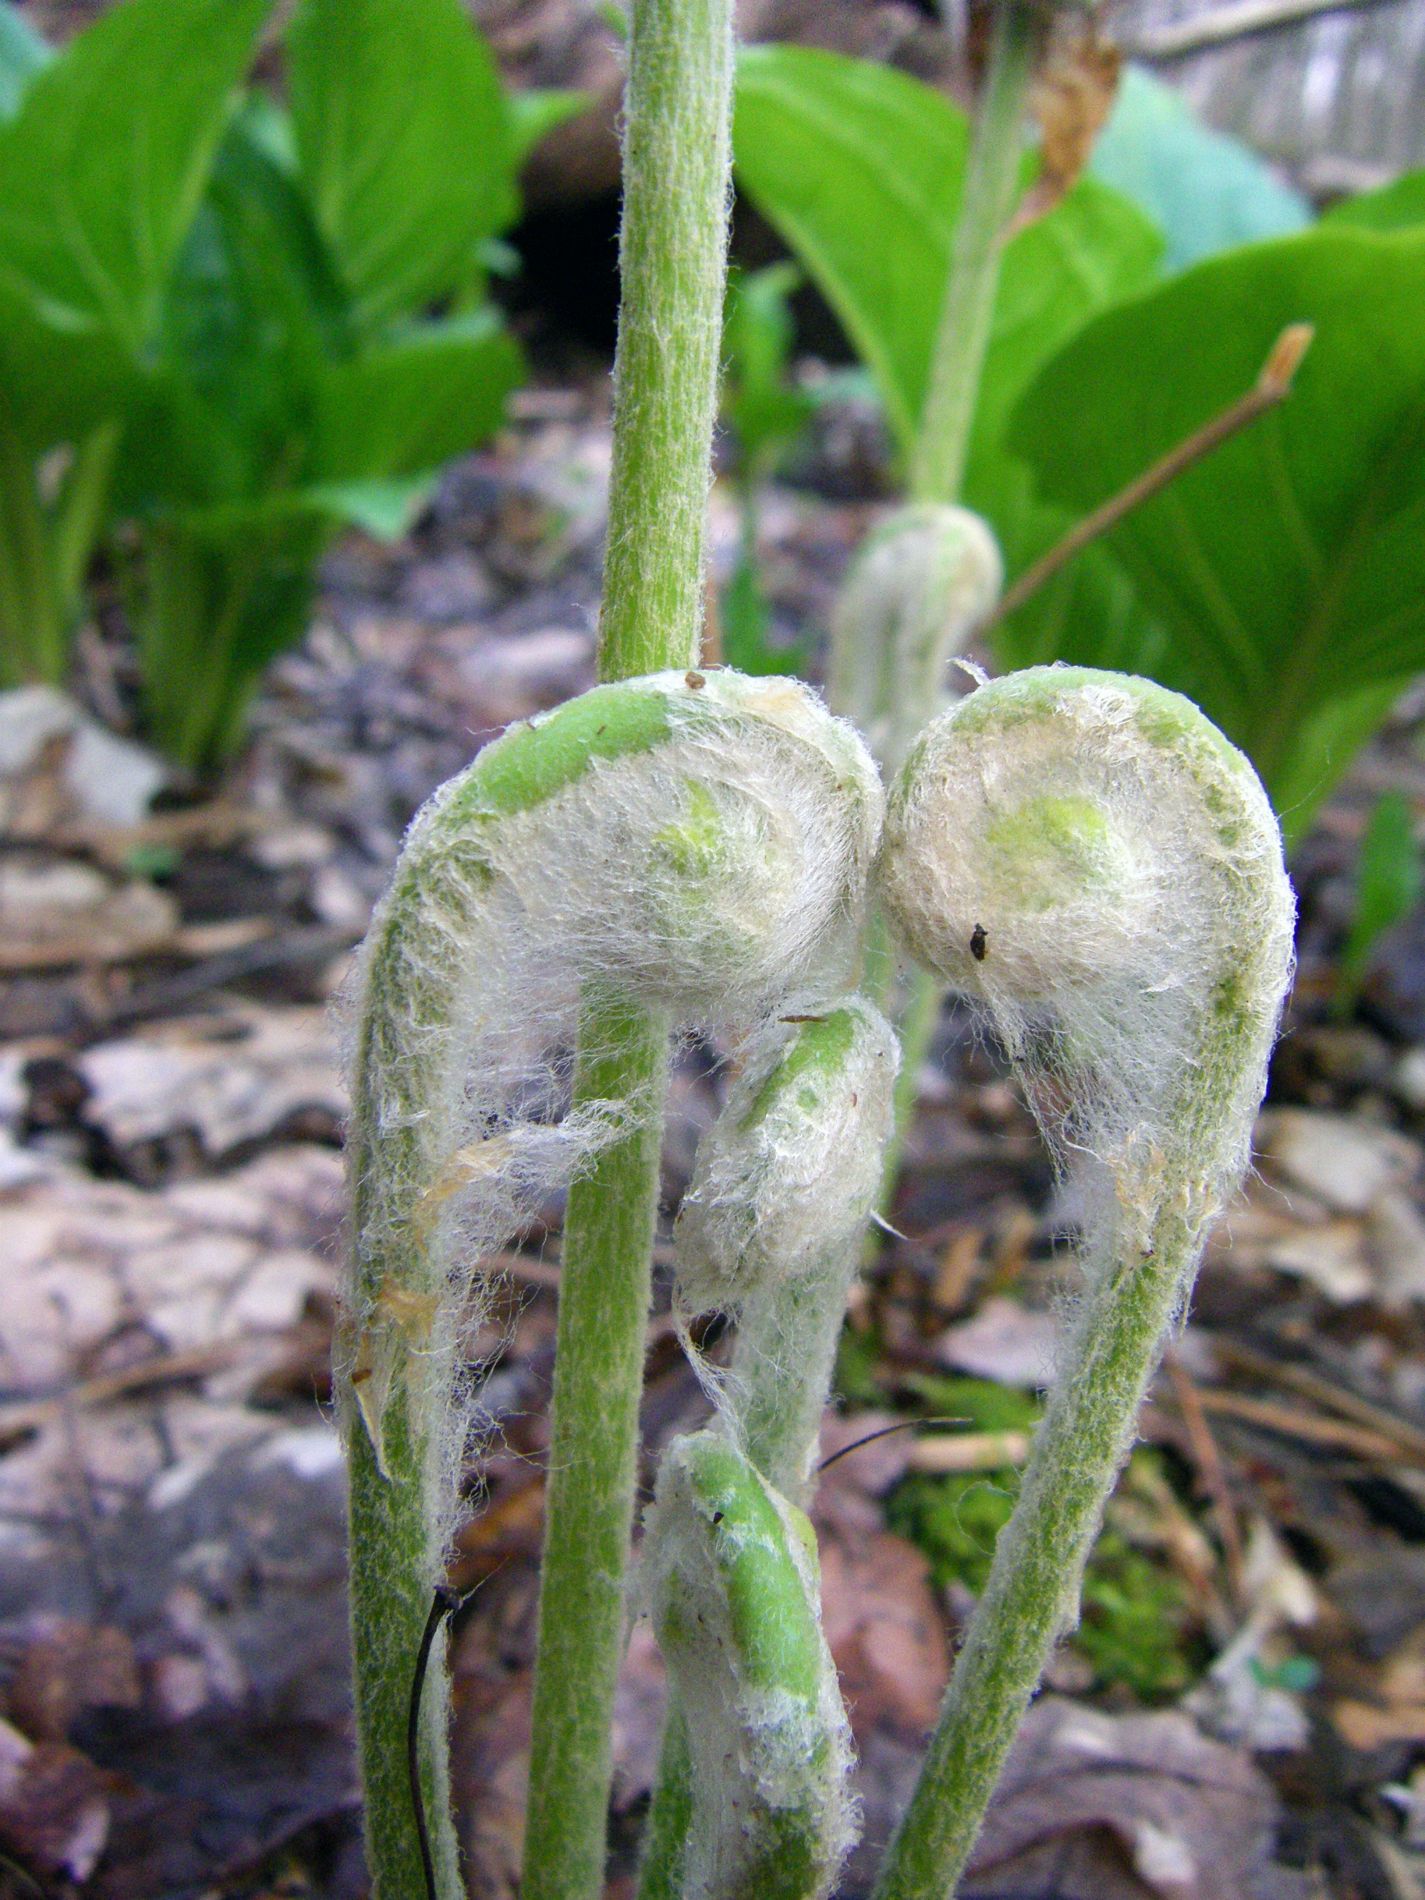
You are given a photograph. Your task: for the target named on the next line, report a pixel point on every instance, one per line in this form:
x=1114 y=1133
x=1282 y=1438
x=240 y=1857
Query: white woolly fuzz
x=917 y=588
x=731 y=1578
x=697 y=843
x=791 y=1168
x=1087 y=855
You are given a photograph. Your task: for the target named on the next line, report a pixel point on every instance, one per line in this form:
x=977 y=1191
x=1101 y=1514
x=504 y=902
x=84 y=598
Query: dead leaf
x=1073 y=94
x=67 y=1667
x=1100 y=1807
x=54 y=1806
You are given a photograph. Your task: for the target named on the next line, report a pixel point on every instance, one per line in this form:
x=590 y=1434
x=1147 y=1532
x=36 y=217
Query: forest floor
x=1243 y=1712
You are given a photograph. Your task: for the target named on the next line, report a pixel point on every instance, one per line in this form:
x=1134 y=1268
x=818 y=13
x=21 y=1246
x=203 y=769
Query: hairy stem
x=1086 y=855
x=673 y=256
x=672 y=259
x=603 y=1304
x=1033 y=1589
x=991 y=188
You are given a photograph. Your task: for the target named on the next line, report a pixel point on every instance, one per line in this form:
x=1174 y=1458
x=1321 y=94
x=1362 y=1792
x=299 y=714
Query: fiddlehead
x=1087 y=856
x=694 y=843
x=754 y=1803
x=771 y=1226
x=915 y=591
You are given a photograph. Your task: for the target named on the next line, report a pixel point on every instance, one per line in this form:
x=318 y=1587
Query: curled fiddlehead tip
x=789 y=1171
x=731 y=1577
x=693 y=842
x=1088 y=856
x=917 y=588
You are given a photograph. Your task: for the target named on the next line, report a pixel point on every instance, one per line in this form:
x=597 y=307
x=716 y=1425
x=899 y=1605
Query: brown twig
x=1211 y=1470
x=1322 y=1391
x=1371 y=1446
x=1239 y=21
x=1271 y=387
x=19 y=1420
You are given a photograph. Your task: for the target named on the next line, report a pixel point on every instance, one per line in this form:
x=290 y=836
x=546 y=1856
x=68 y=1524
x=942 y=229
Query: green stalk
x=672 y=258
x=942 y=447
x=1133 y=950
x=1033 y=1589
x=673 y=263
x=32 y=644
x=80 y=513
x=593 y=1456
x=937 y=468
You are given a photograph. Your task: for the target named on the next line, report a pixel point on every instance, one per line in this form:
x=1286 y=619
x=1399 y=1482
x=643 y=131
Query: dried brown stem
x=1271 y=387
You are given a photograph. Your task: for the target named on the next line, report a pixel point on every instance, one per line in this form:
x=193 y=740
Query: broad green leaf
x=1089 y=614
x=401 y=408
x=23 y=53
x=1394 y=207
x=1288 y=568
x=860 y=169
x=104 y=165
x=251 y=321
x=404 y=140
x=1205 y=191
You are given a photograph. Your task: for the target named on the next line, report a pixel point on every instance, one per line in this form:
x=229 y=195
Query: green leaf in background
x=402 y=407
x=404 y=140
x=105 y=162
x=1288 y=568
x=764 y=407
x=860 y=170
x=535 y=113
x=1394 y=207
x=23 y=53
x=1205 y=191
x=1388 y=887
x=252 y=317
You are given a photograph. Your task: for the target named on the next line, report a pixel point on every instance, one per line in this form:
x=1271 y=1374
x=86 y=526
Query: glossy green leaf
x=23 y=53
x=1394 y=207
x=252 y=318
x=860 y=169
x=1205 y=191
x=401 y=408
x=404 y=141
x=1288 y=568
x=103 y=167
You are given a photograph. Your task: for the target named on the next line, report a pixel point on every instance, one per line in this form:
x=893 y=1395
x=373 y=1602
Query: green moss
x=1138 y=1631
x=985 y=1406
x=858 y=1359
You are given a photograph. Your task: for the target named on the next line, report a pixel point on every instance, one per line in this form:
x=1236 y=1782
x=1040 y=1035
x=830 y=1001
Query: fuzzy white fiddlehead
x=916 y=589
x=694 y=843
x=755 y=1805
x=772 y=1223
x=1087 y=855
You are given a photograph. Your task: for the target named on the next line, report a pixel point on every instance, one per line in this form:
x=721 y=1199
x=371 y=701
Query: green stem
x=1033 y=1589
x=80 y=514
x=991 y=188
x=673 y=264
x=603 y=1307
x=32 y=644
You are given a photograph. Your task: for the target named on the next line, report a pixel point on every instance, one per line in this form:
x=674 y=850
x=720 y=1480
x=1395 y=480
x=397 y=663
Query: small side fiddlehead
x=1088 y=857
x=754 y=1805
x=772 y=1223
x=696 y=844
x=915 y=591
